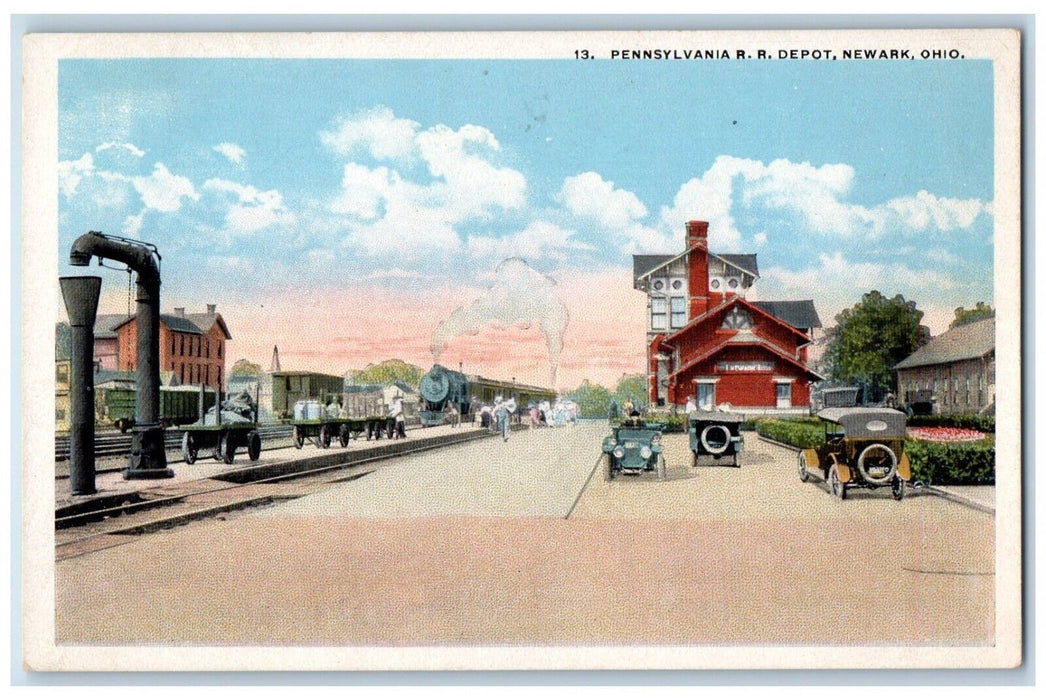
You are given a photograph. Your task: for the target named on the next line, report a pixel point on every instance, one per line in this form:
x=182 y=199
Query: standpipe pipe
x=148 y=459
x=81 y=304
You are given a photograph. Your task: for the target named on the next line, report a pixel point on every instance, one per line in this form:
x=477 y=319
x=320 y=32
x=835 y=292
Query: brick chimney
x=211 y=308
x=697 y=260
x=179 y=311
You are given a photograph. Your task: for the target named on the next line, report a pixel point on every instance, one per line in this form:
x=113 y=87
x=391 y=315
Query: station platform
x=110 y=482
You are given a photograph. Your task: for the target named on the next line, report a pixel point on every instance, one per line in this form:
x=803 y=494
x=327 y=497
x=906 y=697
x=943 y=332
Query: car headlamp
x=619 y=451
x=645 y=452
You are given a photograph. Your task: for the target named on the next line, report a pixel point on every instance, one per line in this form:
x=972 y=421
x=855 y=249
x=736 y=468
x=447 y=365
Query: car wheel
x=254 y=445
x=228 y=448
x=188 y=448
x=897 y=488
x=804 y=473
x=836 y=487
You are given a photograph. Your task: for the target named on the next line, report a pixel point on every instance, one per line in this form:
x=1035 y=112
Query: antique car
x=863 y=447
x=715 y=438
x=634 y=448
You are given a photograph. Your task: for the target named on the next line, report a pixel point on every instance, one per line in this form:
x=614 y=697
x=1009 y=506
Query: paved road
x=715 y=556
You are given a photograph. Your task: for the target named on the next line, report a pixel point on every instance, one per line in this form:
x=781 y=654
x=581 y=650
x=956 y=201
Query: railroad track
x=119 y=444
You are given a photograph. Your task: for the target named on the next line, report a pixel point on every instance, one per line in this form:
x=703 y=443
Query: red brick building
x=192 y=346
x=706 y=340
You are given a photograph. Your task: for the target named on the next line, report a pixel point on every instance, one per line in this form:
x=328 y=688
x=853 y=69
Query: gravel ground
x=712 y=556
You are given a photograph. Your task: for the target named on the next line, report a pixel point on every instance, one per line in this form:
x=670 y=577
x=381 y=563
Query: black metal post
x=81 y=304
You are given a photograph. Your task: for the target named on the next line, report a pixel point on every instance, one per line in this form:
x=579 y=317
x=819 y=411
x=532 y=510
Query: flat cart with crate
x=222 y=440
x=322 y=431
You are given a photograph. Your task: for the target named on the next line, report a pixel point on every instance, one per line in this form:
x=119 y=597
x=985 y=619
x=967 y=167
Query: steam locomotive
x=442 y=386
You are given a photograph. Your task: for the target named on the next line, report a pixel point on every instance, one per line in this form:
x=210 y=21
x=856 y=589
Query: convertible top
x=716 y=416
x=866 y=422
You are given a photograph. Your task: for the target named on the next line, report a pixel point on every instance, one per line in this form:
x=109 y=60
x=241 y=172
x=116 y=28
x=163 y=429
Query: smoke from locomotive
x=520 y=296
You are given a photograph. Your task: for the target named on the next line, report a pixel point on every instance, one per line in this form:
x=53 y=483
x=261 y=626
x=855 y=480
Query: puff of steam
x=520 y=296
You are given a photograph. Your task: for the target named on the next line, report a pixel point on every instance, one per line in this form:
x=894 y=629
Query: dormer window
x=737 y=319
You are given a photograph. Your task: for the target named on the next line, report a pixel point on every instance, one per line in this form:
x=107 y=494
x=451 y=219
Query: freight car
x=441 y=387
x=115 y=404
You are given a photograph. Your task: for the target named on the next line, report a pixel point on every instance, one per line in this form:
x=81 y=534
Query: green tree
x=631 y=386
x=387 y=372
x=872 y=337
x=964 y=315
x=593 y=400
x=245 y=368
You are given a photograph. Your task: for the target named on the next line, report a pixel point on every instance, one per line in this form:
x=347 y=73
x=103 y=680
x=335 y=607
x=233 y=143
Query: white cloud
x=231 y=151
x=364 y=190
x=837 y=283
x=132 y=225
x=814 y=196
x=388 y=207
x=163 y=190
x=254 y=209
x=471 y=184
x=377 y=132
x=396 y=273
x=129 y=147
x=920 y=211
x=540 y=240
x=760 y=239
x=589 y=195
x=72 y=172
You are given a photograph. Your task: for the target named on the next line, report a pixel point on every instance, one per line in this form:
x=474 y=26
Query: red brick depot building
x=705 y=339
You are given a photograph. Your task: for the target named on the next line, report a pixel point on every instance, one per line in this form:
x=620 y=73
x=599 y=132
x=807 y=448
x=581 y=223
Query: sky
x=484 y=213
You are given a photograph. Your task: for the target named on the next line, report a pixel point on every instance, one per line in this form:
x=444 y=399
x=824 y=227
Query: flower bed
x=946 y=434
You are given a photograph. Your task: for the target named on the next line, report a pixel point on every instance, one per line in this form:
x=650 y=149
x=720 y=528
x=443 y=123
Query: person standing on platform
x=452 y=415
x=691 y=405
x=503 y=410
x=399 y=427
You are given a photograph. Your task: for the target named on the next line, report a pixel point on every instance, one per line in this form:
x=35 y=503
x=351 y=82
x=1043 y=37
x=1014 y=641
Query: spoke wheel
x=299 y=439
x=228 y=448
x=343 y=436
x=804 y=472
x=325 y=436
x=836 y=487
x=254 y=445
x=189 y=450
x=897 y=488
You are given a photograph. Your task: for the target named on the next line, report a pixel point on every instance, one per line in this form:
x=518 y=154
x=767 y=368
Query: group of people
x=546 y=413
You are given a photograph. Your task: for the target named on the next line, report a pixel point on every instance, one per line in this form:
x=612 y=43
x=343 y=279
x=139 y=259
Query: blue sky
x=260 y=176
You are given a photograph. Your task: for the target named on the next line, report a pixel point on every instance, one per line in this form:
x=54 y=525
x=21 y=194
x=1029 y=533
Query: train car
x=115 y=404
x=288 y=388
x=441 y=387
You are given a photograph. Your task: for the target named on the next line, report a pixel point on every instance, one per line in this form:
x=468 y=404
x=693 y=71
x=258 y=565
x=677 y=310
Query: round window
x=659 y=284
x=715 y=284
x=733 y=283
x=676 y=284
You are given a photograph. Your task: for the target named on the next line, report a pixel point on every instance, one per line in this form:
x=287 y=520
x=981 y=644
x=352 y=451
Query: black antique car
x=715 y=438
x=634 y=448
x=863 y=447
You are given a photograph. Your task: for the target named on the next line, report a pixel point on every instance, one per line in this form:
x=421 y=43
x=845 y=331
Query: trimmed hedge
x=952 y=463
x=799 y=433
x=973 y=421
x=933 y=463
